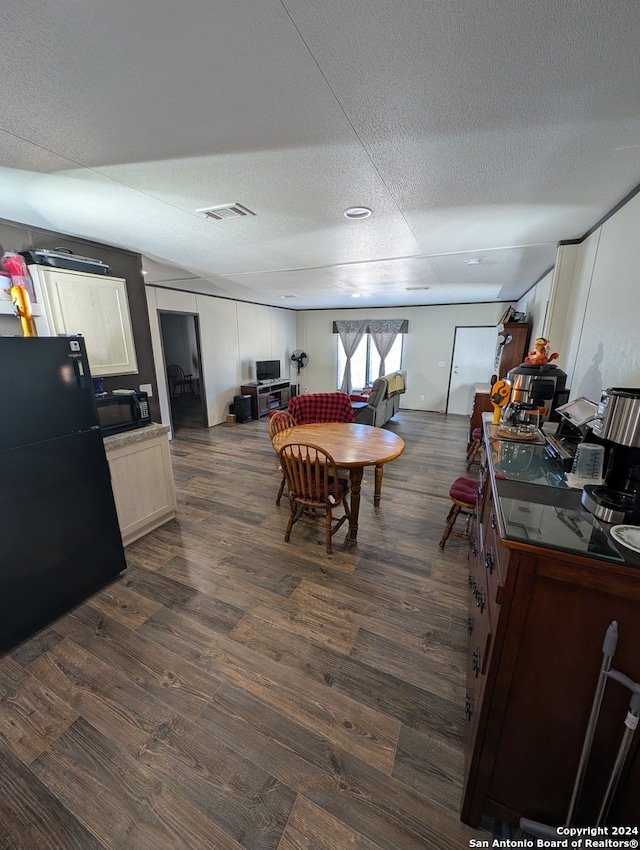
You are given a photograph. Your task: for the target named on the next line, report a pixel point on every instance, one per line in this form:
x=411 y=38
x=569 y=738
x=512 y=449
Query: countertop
x=537 y=507
x=136 y=435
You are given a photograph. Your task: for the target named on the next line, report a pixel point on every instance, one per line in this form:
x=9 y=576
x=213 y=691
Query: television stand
x=267 y=396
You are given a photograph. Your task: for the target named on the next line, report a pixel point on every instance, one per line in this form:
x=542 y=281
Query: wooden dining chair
x=280 y=421
x=179 y=383
x=314 y=487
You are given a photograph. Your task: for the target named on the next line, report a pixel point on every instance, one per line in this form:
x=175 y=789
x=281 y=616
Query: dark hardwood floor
x=231 y=690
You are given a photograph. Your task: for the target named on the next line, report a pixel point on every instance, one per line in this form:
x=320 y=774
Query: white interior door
x=474 y=354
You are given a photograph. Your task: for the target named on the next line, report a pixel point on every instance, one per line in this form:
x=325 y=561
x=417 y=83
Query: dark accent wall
x=125 y=264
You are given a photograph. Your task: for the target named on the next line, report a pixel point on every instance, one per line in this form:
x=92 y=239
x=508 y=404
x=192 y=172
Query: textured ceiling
x=472 y=129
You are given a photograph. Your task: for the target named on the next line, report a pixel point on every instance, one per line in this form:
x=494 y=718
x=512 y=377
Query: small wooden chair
x=280 y=421
x=463 y=494
x=179 y=383
x=314 y=488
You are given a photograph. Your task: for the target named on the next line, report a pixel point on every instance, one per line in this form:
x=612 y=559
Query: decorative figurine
x=500 y=393
x=540 y=354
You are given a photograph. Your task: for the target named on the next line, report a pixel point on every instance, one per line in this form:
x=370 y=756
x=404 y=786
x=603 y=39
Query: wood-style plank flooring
x=233 y=691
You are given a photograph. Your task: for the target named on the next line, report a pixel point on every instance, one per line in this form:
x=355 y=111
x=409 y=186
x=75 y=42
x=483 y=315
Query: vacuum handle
x=608 y=649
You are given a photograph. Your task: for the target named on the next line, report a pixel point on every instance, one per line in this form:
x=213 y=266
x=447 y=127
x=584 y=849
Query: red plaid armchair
x=321 y=407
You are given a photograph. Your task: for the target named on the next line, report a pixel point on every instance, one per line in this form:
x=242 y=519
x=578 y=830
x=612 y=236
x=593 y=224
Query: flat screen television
x=267 y=370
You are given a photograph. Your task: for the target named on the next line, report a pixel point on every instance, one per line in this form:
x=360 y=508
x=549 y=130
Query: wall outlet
x=442 y=364
x=146 y=388
x=421 y=398
x=306 y=389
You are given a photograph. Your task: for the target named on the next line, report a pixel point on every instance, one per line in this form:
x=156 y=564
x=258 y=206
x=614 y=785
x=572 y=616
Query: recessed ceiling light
x=357 y=212
x=416 y=288
x=355 y=295
x=473 y=261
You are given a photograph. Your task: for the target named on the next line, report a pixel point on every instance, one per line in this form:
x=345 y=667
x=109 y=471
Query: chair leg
x=327 y=535
x=473 y=455
x=452 y=517
x=281 y=490
x=292 y=519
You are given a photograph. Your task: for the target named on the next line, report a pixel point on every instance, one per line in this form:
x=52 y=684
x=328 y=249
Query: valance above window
x=372 y=326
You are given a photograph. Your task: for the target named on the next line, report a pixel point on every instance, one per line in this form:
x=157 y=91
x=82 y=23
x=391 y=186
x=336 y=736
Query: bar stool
x=463 y=494
x=474 y=448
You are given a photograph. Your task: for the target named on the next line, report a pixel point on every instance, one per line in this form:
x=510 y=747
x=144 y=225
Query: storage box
x=71 y=262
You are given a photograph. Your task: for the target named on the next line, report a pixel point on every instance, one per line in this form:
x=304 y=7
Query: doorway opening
x=180 y=335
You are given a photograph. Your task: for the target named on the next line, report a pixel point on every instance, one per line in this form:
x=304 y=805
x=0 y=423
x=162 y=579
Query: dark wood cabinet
x=266 y=397
x=513 y=350
x=481 y=404
x=537 y=620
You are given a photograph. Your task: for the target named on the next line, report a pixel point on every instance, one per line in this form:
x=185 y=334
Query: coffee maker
x=541 y=385
x=617 y=427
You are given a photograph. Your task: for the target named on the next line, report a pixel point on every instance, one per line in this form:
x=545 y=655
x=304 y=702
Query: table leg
x=378 y=487
x=356 y=484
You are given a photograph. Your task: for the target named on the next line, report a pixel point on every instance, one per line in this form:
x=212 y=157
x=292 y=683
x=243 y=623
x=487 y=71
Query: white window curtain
x=383 y=333
x=350 y=332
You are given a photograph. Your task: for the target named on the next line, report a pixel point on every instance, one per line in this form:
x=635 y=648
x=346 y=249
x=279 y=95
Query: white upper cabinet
x=93 y=305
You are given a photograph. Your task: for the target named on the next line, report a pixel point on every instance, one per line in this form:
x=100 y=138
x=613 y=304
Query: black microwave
x=120 y=411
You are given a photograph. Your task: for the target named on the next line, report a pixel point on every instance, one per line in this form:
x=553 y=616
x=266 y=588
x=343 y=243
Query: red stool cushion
x=464 y=490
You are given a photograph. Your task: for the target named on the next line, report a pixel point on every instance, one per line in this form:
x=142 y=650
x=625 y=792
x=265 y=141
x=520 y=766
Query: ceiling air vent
x=224 y=211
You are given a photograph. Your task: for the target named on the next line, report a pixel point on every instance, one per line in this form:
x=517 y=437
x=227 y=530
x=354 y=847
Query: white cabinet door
x=143 y=487
x=95 y=306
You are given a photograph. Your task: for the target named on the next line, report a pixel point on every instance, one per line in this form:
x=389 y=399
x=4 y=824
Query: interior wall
x=428 y=346
x=233 y=335
x=535 y=304
x=603 y=314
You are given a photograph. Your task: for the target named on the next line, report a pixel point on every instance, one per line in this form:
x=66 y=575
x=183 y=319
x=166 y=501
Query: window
x=365 y=363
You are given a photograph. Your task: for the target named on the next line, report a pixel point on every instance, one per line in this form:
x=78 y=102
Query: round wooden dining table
x=353 y=447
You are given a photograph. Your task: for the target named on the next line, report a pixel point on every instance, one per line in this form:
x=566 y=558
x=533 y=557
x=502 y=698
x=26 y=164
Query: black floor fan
x=300 y=358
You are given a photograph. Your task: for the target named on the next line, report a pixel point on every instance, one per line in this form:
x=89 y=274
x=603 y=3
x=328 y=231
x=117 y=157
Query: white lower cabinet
x=142 y=480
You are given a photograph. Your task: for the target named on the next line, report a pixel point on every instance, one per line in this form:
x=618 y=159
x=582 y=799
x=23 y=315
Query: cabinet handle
x=488 y=561
x=468 y=705
x=470 y=624
x=480 y=598
x=493 y=520
x=475 y=661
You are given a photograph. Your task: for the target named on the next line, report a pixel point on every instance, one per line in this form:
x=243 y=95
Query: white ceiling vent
x=224 y=211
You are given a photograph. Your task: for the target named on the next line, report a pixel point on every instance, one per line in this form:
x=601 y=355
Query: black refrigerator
x=59 y=535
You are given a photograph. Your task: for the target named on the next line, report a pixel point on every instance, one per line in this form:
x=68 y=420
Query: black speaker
x=242 y=408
